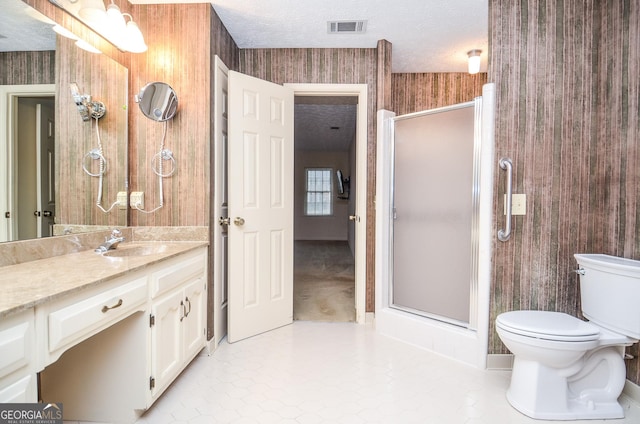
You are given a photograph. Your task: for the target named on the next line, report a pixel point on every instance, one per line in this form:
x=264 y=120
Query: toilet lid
x=547 y=325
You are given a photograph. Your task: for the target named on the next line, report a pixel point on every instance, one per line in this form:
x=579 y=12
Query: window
x=318 y=199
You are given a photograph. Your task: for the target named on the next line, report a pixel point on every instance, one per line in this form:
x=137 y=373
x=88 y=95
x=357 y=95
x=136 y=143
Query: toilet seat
x=547 y=325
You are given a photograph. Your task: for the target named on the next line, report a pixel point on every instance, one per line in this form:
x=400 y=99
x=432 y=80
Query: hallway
x=323 y=282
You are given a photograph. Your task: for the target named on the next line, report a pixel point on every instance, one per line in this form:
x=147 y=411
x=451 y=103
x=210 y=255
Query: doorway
x=28 y=145
x=324 y=245
x=358 y=174
x=238 y=96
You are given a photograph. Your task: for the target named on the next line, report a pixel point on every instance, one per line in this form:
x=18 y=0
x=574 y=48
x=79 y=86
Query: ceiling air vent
x=347 y=27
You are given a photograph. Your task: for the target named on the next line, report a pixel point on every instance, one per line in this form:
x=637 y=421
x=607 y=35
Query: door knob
x=354 y=218
x=224 y=221
x=238 y=221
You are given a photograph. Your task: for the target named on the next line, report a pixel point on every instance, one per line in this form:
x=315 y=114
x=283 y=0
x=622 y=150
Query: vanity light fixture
x=474 y=61
x=93 y=11
x=115 y=19
x=64 y=32
x=86 y=46
x=111 y=23
x=135 y=40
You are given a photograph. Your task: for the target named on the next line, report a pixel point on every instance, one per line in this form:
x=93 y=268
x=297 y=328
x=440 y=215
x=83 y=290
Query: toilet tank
x=610 y=292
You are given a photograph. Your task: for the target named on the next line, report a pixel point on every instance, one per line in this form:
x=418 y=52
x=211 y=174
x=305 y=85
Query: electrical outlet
x=122 y=200
x=137 y=200
x=518 y=204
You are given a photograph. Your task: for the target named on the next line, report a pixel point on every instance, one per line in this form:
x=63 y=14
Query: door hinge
x=152 y=383
x=152 y=320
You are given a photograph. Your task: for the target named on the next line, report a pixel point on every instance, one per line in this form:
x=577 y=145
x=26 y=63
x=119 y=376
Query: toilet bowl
x=565 y=368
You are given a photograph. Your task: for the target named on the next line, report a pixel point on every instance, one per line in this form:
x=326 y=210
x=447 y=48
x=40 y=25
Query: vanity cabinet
x=109 y=350
x=177 y=319
x=18 y=358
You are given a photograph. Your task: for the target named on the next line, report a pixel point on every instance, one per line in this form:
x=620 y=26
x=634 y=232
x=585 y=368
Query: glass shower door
x=434 y=213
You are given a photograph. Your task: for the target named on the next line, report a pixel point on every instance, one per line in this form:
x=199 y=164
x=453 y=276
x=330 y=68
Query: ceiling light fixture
x=474 y=61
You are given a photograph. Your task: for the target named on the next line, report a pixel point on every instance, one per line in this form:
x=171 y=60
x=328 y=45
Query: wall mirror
x=158 y=101
x=70 y=194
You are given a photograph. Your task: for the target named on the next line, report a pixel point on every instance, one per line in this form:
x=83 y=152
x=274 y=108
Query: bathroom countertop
x=28 y=284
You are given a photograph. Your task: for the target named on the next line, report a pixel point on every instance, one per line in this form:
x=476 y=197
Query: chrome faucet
x=111 y=243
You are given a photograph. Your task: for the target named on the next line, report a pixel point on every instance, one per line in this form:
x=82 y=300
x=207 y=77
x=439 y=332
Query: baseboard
x=369 y=318
x=500 y=361
x=632 y=391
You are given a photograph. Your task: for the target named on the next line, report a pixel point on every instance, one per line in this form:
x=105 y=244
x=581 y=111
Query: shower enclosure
x=433 y=227
x=435 y=178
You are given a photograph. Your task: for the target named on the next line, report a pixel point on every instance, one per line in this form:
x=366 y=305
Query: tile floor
x=311 y=372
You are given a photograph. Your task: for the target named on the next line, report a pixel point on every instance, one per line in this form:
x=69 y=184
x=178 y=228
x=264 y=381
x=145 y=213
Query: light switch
x=137 y=200
x=518 y=204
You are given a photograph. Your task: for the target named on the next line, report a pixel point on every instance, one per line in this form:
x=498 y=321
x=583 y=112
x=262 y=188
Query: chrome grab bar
x=505 y=163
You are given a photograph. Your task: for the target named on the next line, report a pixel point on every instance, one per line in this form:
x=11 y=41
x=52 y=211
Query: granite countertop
x=28 y=284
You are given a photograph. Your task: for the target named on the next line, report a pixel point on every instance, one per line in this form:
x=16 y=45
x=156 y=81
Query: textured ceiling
x=426 y=35
x=24 y=29
x=324 y=126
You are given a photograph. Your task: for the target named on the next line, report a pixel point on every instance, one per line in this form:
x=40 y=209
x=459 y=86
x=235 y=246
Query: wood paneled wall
x=27 y=67
x=568 y=115
x=422 y=91
x=182 y=40
x=106 y=81
x=335 y=66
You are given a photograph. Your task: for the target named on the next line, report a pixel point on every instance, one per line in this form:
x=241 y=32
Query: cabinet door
x=194 y=323
x=22 y=391
x=166 y=340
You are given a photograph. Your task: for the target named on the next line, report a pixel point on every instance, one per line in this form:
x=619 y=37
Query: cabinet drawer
x=182 y=269
x=72 y=324
x=17 y=337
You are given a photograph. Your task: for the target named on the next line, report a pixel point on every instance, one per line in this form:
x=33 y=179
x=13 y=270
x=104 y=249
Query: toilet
x=568 y=369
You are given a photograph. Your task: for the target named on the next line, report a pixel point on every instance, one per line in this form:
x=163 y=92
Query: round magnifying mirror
x=158 y=101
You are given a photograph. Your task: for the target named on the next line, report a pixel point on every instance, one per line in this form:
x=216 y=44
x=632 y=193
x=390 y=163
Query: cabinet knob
x=238 y=221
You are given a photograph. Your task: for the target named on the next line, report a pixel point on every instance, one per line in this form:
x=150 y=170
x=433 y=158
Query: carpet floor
x=323 y=281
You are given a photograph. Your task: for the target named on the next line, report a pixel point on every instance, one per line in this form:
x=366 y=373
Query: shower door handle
x=503 y=235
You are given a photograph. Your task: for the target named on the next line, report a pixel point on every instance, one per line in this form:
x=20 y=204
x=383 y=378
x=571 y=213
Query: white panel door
x=166 y=339
x=220 y=203
x=45 y=160
x=260 y=206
